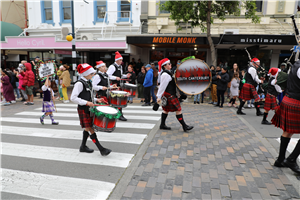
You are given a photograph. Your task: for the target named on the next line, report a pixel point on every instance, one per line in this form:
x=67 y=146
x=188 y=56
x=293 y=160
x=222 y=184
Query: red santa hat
x=99 y=64
x=118 y=56
x=162 y=62
x=255 y=60
x=274 y=71
x=85 y=69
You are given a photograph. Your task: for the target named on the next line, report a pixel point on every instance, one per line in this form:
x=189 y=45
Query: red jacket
x=28 y=75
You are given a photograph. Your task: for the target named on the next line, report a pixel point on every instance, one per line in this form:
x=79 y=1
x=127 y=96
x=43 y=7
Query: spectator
x=222 y=80
x=28 y=82
x=197 y=98
x=283 y=67
x=138 y=66
x=21 y=70
x=59 y=73
x=140 y=82
x=15 y=83
x=132 y=63
x=234 y=89
x=155 y=76
x=214 y=97
x=148 y=82
x=132 y=80
x=8 y=91
x=66 y=82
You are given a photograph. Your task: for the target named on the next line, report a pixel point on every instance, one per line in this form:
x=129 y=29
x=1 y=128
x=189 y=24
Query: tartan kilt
x=48 y=106
x=173 y=103
x=86 y=120
x=248 y=92
x=287 y=117
x=270 y=102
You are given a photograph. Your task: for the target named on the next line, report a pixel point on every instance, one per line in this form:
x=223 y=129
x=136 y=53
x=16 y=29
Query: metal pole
x=73 y=35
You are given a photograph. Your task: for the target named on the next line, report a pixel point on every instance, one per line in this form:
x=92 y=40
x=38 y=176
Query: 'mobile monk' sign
x=174 y=40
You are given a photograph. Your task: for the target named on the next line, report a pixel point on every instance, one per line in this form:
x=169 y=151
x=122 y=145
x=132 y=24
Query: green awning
x=8 y=29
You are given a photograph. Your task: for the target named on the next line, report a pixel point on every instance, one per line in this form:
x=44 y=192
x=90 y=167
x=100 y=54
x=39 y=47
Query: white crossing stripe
x=292 y=144
x=53 y=187
x=114 y=159
x=76 y=122
x=77 y=135
x=60 y=114
x=125 y=111
x=128 y=106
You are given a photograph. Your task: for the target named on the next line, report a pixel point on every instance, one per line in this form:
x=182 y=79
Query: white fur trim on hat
x=102 y=64
x=118 y=58
x=88 y=72
x=168 y=61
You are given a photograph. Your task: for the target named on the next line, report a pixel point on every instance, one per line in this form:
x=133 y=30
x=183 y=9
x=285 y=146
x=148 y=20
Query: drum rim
x=105 y=107
x=120 y=92
x=130 y=84
x=210 y=80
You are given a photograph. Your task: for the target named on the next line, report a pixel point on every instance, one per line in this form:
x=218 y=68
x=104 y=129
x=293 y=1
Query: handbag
x=164 y=101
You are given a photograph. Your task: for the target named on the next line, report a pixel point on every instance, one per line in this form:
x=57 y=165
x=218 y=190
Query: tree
x=202 y=13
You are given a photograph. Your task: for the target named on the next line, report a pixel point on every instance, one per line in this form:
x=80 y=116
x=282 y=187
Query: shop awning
x=8 y=29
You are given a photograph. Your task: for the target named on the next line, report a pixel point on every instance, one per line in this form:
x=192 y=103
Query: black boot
x=83 y=147
x=265 y=121
x=284 y=142
x=103 y=151
x=184 y=126
x=258 y=112
x=163 y=122
x=291 y=161
x=239 y=111
x=122 y=118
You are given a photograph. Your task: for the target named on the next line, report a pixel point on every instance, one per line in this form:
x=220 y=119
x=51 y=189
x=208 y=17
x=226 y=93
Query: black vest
x=271 y=88
x=103 y=82
x=117 y=73
x=47 y=95
x=171 y=88
x=249 y=78
x=293 y=82
x=85 y=94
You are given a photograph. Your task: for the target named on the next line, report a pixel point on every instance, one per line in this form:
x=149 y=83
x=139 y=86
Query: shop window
x=298 y=6
x=259 y=5
x=47 y=12
x=163 y=11
x=100 y=8
x=65 y=12
x=124 y=11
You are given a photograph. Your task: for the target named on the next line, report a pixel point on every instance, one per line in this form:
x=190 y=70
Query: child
x=82 y=95
x=48 y=106
x=234 y=88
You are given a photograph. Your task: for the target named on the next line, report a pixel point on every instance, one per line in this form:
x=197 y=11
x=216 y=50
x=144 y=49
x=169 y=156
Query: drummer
x=273 y=91
x=101 y=81
x=81 y=95
x=115 y=73
x=167 y=90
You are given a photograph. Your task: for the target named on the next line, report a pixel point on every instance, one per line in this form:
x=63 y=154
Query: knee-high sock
x=43 y=116
x=233 y=101
x=242 y=103
x=180 y=119
x=256 y=106
x=84 y=138
x=120 y=109
x=163 y=119
x=294 y=155
x=265 y=116
x=96 y=141
x=284 y=141
x=51 y=117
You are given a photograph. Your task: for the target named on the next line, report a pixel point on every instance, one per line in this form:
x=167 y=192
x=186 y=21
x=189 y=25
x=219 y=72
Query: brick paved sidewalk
x=221 y=158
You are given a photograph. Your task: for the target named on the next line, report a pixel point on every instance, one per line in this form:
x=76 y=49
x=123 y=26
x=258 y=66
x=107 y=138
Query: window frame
x=96 y=19
x=44 y=13
x=61 y=11
x=163 y=13
x=123 y=19
x=262 y=6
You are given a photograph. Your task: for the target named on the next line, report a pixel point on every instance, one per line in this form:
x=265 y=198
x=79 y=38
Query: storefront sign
x=174 y=40
x=168 y=40
x=62 y=52
x=46 y=69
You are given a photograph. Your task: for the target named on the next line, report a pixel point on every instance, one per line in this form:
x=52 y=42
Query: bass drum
x=193 y=76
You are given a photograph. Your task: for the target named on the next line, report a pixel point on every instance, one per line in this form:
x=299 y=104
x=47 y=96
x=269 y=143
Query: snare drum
x=105 y=118
x=118 y=99
x=130 y=88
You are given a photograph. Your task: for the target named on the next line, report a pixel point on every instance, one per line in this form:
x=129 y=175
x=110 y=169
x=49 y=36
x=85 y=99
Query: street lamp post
x=73 y=35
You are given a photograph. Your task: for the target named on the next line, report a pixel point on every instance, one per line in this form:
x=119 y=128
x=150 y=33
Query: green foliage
x=197 y=12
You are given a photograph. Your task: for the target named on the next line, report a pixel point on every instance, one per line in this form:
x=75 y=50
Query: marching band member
x=273 y=91
x=167 y=89
x=287 y=118
x=101 y=80
x=115 y=73
x=81 y=95
x=248 y=91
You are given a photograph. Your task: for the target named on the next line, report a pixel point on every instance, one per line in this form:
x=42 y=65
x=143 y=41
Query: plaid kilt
x=48 y=106
x=248 y=92
x=270 y=102
x=86 y=120
x=287 y=117
x=173 y=103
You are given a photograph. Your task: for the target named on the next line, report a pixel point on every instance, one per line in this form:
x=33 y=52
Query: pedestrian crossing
x=43 y=161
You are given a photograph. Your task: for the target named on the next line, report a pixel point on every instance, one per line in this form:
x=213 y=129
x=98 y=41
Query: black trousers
x=220 y=94
x=147 y=94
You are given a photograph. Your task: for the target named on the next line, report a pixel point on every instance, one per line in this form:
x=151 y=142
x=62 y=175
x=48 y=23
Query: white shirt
x=158 y=77
x=78 y=88
x=164 y=81
x=112 y=69
x=96 y=80
x=277 y=87
x=298 y=73
x=44 y=88
x=253 y=73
